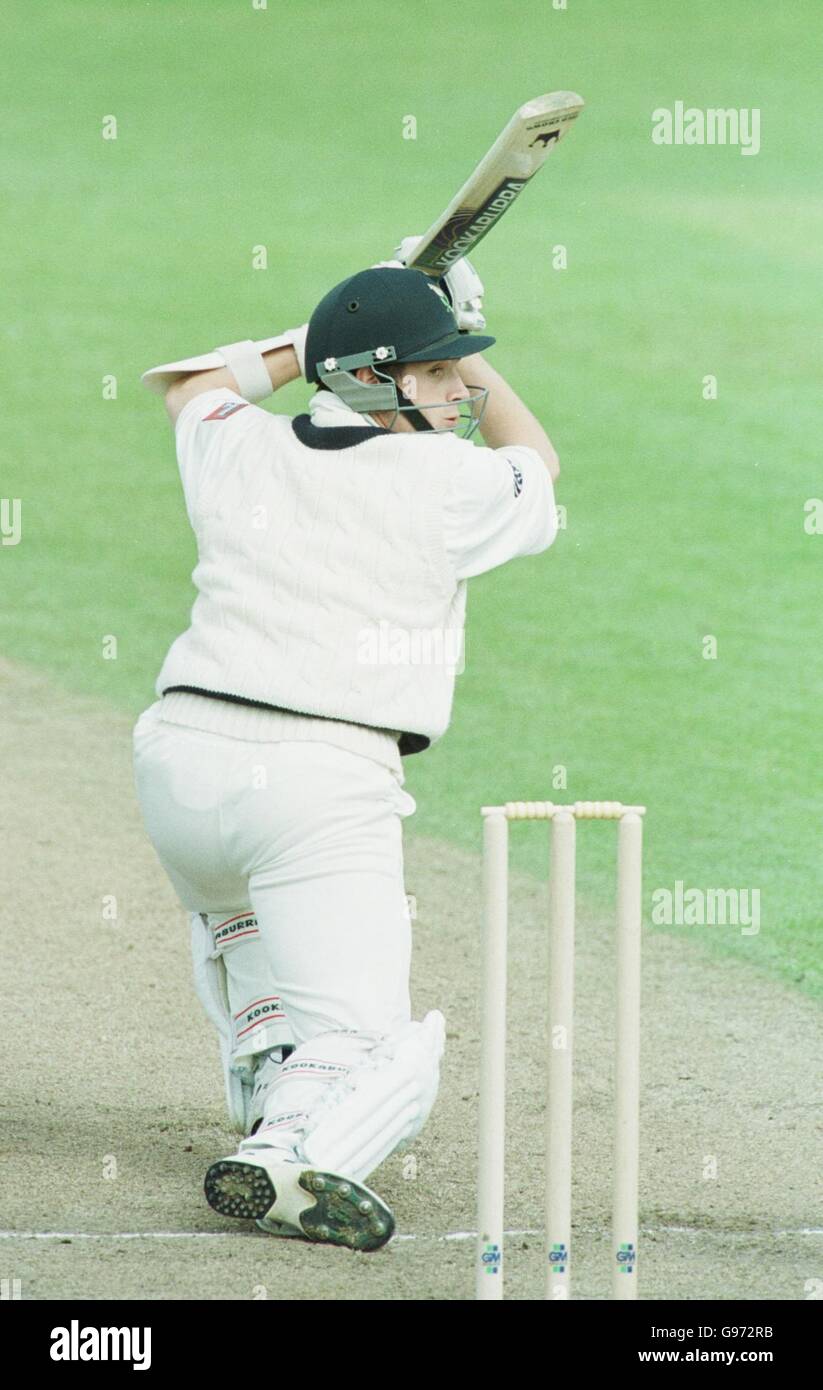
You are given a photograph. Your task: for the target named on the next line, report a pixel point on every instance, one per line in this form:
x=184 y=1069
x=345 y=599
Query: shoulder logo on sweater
x=225 y=410
x=518 y=478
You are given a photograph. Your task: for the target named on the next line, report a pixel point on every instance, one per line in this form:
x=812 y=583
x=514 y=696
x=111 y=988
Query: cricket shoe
x=288 y=1197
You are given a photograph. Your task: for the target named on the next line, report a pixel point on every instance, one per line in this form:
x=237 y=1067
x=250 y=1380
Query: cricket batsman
x=269 y=770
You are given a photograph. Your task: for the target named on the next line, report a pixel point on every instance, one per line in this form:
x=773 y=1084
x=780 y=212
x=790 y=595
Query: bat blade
x=519 y=151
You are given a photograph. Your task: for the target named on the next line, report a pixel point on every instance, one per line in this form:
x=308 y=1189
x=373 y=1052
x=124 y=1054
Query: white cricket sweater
x=332 y=565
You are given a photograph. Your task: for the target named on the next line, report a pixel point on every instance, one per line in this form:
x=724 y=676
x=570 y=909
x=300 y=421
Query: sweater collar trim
x=333 y=436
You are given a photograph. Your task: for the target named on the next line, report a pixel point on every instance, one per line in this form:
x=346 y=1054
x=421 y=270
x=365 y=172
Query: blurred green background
x=685 y=517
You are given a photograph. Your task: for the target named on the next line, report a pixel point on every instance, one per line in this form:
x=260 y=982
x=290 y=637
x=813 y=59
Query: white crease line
x=450 y=1235
x=117 y=1235
x=701 y=1230
x=644 y=1230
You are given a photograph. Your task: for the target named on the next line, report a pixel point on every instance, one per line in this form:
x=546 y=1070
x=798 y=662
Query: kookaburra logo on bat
x=544 y=136
x=520 y=150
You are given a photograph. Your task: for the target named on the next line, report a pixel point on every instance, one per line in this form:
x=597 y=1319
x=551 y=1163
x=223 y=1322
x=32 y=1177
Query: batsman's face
x=428 y=384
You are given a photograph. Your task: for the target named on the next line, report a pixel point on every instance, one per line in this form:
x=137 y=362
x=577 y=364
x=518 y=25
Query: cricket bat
x=519 y=151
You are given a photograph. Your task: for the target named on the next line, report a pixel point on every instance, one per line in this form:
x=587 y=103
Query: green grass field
x=685 y=516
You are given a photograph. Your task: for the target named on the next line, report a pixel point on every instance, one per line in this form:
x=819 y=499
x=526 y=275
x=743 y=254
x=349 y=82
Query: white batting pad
x=385 y=1101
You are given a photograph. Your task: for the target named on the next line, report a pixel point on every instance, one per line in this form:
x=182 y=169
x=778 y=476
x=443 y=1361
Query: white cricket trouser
x=309 y=837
